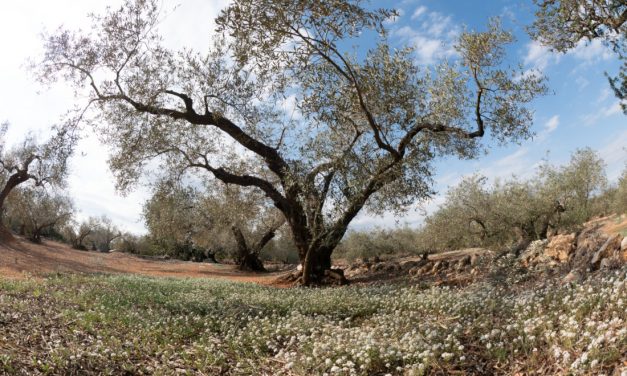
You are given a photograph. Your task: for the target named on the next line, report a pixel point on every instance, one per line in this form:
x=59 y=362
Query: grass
x=138 y=325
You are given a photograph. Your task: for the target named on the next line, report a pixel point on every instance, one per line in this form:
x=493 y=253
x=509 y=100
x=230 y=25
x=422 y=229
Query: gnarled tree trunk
x=247 y=258
x=13 y=181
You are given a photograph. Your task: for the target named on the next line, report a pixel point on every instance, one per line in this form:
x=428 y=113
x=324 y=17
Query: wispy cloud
x=552 y=124
x=604 y=112
x=419 y=12
x=591 y=52
x=432 y=36
x=614 y=153
x=539 y=56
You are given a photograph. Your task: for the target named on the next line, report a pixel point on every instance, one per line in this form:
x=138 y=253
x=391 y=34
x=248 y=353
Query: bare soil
x=21 y=258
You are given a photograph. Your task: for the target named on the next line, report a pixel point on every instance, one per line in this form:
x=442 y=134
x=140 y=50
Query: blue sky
x=580 y=110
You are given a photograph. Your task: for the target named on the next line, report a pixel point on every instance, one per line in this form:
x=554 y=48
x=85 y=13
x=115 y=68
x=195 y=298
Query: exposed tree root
x=330 y=277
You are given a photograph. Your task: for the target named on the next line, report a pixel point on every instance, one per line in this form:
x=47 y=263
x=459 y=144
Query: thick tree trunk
x=13 y=181
x=247 y=258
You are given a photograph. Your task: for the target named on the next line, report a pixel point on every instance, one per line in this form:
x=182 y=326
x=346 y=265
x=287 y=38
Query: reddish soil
x=21 y=258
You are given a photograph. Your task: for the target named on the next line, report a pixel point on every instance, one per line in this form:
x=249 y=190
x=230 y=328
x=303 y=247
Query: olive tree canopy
x=563 y=24
x=280 y=104
x=41 y=163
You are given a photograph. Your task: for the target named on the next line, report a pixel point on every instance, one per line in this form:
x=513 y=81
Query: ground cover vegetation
x=138 y=325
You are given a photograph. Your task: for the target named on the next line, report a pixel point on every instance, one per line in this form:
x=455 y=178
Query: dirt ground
x=21 y=258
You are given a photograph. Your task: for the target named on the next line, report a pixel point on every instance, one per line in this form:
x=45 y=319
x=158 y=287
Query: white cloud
x=552 y=124
x=605 y=93
x=582 y=82
x=419 y=12
x=516 y=163
x=612 y=109
x=433 y=37
x=591 y=52
x=604 y=112
x=614 y=153
x=288 y=105
x=539 y=57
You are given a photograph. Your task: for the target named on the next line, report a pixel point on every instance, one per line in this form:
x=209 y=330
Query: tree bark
x=247 y=258
x=13 y=181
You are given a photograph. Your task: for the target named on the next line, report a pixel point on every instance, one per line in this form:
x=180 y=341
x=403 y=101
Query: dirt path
x=21 y=258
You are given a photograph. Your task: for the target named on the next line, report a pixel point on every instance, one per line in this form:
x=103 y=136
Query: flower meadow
x=114 y=325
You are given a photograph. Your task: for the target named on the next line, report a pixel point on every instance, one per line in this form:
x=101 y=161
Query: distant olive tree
x=575 y=184
x=40 y=164
x=517 y=211
x=37 y=211
x=563 y=24
x=620 y=197
x=363 y=131
x=103 y=233
x=228 y=220
x=77 y=233
x=175 y=223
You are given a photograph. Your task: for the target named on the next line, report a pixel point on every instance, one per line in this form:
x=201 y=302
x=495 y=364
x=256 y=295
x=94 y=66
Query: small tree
x=175 y=223
x=36 y=211
x=104 y=232
x=620 y=198
x=576 y=184
x=76 y=234
x=367 y=126
x=563 y=24
x=253 y=223
x=40 y=163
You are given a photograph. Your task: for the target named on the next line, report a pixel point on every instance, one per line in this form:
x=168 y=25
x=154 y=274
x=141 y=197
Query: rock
x=407 y=265
x=462 y=264
x=436 y=267
x=611 y=247
x=560 y=247
x=466 y=260
x=533 y=253
x=378 y=267
x=392 y=267
x=573 y=277
x=607 y=263
x=425 y=269
x=588 y=242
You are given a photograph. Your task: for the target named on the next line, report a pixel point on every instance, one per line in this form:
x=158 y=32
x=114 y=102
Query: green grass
x=137 y=325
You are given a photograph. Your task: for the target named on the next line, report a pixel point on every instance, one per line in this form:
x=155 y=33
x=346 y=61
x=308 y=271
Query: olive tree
x=175 y=223
x=229 y=220
x=252 y=223
x=77 y=233
x=37 y=211
x=563 y=24
x=363 y=131
x=31 y=161
x=575 y=184
x=620 y=198
x=476 y=213
x=103 y=233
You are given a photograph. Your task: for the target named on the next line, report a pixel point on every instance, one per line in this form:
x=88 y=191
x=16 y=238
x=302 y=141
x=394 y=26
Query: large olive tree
x=280 y=103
